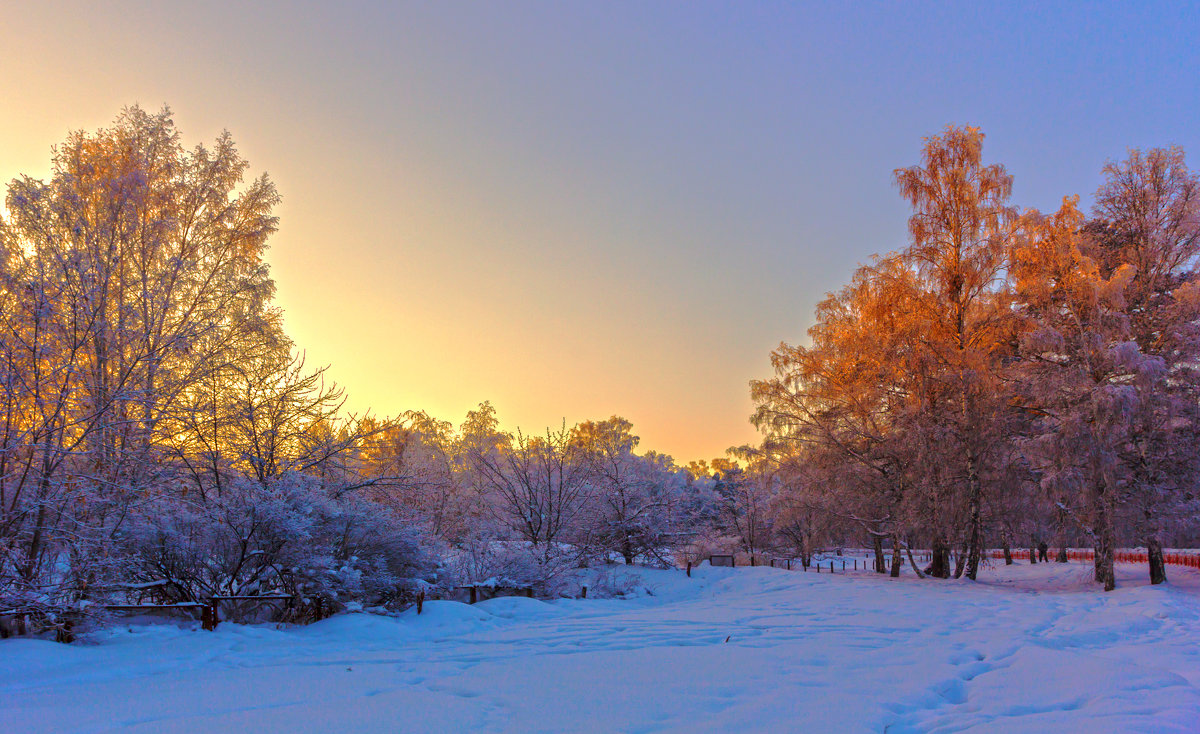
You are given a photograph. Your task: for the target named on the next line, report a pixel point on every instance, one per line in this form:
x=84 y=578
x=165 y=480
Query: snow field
x=1028 y=649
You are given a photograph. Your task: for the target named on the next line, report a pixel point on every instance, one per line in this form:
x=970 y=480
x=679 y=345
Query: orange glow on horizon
x=425 y=288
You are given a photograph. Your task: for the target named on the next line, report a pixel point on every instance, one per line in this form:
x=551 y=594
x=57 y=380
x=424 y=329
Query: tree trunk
x=880 y=562
x=1062 y=536
x=1105 y=571
x=897 y=560
x=1158 y=569
x=960 y=562
x=974 y=555
x=939 y=565
x=974 y=536
x=1032 y=551
x=34 y=551
x=912 y=562
x=1007 y=553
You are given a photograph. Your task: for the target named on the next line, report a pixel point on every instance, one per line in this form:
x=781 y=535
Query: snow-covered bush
x=612 y=582
x=290 y=536
x=543 y=567
x=369 y=555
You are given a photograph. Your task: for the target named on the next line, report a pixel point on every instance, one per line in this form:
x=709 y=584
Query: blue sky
x=576 y=209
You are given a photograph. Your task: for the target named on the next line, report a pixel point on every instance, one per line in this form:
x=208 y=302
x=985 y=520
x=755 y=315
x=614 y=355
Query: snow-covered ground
x=1029 y=649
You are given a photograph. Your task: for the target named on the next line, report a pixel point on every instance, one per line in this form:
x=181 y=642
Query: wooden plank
x=181 y=605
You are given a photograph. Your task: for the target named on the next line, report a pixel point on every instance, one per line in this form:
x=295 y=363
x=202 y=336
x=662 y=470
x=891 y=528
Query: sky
x=576 y=210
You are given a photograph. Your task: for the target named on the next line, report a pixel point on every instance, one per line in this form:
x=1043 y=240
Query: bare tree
x=540 y=483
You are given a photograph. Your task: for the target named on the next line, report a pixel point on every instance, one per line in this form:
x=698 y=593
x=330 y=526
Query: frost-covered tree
x=147 y=389
x=960 y=231
x=992 y=356
x=1147 y=219
x=634 y=499
x=128 y=275
x=1076 y=353
x=831 y=412
x=538 y=485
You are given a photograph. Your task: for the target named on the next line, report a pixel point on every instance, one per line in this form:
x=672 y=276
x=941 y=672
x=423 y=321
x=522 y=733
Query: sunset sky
x=577 y=210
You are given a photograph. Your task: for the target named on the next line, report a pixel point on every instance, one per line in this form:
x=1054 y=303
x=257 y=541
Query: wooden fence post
x=208 y=616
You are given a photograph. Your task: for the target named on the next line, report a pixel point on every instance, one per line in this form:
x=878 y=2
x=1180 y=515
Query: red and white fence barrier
x=1191 y=560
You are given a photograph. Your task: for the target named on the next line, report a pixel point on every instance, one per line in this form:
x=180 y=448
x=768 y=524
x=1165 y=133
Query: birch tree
x=960 y=231
x=1147 y=218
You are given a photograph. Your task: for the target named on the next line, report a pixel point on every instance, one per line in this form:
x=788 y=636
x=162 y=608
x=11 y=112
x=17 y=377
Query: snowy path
x=729 y=650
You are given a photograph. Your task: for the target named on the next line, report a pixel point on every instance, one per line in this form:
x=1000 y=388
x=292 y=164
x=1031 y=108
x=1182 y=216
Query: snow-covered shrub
x=612 y=583
x=290 y=536
x=543 y=567
x=367 y=554
x=57 y=571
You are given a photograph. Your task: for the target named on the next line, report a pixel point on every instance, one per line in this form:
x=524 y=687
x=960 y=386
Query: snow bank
x=519 y=607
